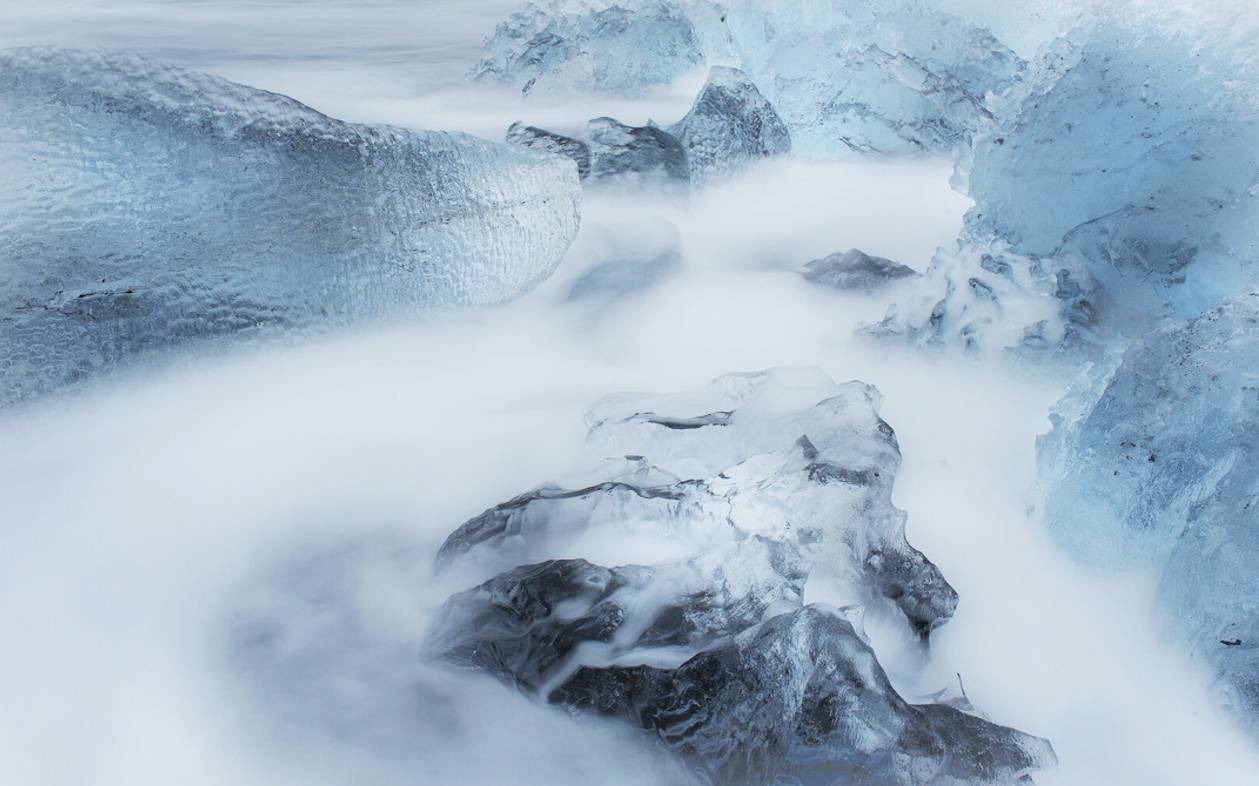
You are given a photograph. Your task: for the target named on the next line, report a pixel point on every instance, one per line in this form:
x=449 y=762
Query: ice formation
x=144 y=205
x=610 y=151
x=730 y=125
x=856 y=270
x=895 y=76
x=762 y=479
x=1155 y=461
x=986 y=299
x=730 y=463
x=1132 y=150
x=623 y=47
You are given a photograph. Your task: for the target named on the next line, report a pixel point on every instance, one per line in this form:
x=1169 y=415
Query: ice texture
x=985 y=299
x=895 y=76
x=145 y=206
x=856 y=270
x=1154 y=461
x=623 y=47
x=1132 y=148
x=609 y=151
x=785 y=454
x=761 y=480
x=729 y=126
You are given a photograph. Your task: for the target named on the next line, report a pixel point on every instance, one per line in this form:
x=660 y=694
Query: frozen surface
x=895 y=76
x=561 y=46
x=730 y=125
x=785 y=454
x=715 y=654
x=1156 y=463
x=608 y=150
x=1133 y=148
x=145 y=206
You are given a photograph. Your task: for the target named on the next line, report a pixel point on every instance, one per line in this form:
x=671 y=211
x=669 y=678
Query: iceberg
x=1132 y=151
x=146 y=206
x=1153 y=462
x=891 y=77
x=729 y=126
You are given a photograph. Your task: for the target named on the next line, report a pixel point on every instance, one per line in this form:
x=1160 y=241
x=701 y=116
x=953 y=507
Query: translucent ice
x=785 y=454
x=730 y=125
x=1133 y=147
x=1155 y=462
x=144 y=205
x=894 y=76
x=622 y=47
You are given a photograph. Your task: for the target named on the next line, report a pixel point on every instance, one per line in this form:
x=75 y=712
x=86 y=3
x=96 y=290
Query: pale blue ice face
x=144 y=205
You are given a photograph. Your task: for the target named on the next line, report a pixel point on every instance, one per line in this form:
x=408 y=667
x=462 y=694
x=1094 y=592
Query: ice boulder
x=785 y=454
x=856 y=270
x=890 y=77
x=608 y=151
x=730 y=125
x=1154 y=461
x=623 y=47
x=887 y=77
x=1132 y=150
x=145 y=206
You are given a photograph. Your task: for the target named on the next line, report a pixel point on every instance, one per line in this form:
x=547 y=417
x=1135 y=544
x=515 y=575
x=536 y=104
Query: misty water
x=217 y=571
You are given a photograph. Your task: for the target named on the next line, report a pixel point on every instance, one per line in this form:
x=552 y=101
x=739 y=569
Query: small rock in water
x=854 y=269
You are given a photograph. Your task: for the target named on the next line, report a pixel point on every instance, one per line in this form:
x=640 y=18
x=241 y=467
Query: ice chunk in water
x=855 y=269
x=1133 y=147
x=730 y=125
x=895 y=76
x=144 y=205
x=1155 y=462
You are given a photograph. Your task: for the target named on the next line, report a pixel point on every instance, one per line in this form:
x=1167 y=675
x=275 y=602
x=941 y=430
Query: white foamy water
x=147 y=524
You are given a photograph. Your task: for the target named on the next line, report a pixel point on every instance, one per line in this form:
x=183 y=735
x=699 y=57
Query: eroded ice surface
x=785 y=454
x=762 y=480
x=610 y=151
x=145 y=205
x=1155 y=462
x=895 y=76
x=729 y=126
x=1133 y=148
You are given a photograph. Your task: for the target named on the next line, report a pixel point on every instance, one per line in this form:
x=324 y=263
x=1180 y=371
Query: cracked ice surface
x=146 y=205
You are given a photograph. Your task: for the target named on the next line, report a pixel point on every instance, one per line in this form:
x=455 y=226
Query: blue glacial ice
x=729 y=126
x=1132 y=150
x=1153 y=461
x=1119 y=182
x=144 y=205
x=562 y=46
x=613 y=153
x=895 y=76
